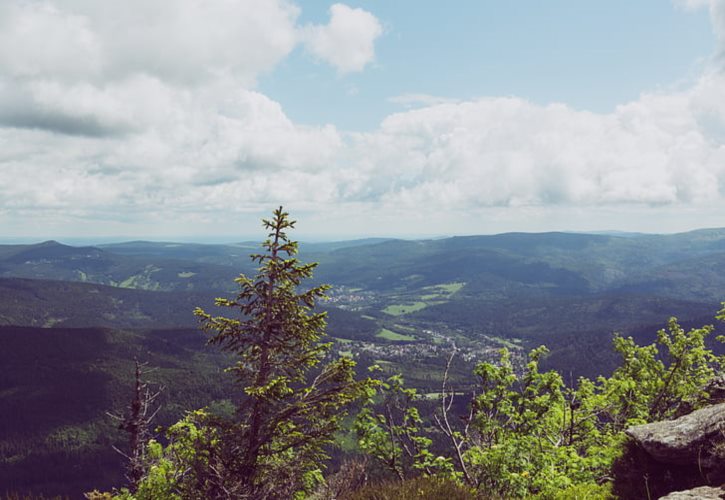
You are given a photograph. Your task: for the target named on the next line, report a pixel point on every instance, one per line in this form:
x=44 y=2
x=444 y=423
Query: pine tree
x=291 y=405
x=137 y=423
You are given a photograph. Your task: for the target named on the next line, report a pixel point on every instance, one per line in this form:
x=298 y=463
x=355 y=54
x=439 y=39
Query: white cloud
x=347 y=41
x=77 y=66
x=37 y=39
x=163 y=124
x=184 y=41
x=660 y=149
x=122 y=108
x=202 y=154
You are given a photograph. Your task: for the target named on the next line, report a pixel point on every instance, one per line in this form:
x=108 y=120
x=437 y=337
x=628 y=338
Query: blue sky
x=590 y=55
x=190 y=119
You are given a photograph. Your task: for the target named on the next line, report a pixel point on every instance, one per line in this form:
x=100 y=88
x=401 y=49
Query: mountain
x=46 y=303
x=594 y=262
x=73 y=319
x=557 y=262
x=58 y=384
x=55 y=261
x=515 y=285
x=236 y=254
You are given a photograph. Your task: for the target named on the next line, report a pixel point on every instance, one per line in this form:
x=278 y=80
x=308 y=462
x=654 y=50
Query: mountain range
x=74 y=318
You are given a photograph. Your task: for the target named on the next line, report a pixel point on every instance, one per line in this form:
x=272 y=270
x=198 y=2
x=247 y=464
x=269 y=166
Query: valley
x=73 y=320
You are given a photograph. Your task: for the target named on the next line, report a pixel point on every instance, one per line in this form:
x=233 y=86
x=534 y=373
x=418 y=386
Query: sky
x=192 y=119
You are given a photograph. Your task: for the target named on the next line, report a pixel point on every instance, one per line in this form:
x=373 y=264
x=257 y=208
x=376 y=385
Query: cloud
x=164 y=124
x=185 y=153
x=413 y=100
x=142 y=106
x=99 y=68
x=665 y=148
x=347 y=41
x=183 y=41
x=37 y=39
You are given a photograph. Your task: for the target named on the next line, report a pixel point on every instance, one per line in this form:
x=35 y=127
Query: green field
x=400 y=309
x=391 y=335
x=509 y=343
x=442 y=291
x=451 y=288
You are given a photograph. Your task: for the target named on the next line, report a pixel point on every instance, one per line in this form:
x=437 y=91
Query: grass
x=401 y=309
x=442 y=291
x=451 y=288
x=386 y=334
x=509 y=343
x=420 y=487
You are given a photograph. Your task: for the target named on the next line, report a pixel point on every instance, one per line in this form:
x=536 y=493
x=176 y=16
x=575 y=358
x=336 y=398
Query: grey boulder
x=696 y=438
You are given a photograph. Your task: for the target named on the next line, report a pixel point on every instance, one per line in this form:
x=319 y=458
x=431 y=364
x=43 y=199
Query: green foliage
x=98 y=495
x=583 y=491
x=529 y=435
x=392 y=432
x=533 y=436
x=291 y=404
x=660 y=380
x=517 y=426
x=176 y=471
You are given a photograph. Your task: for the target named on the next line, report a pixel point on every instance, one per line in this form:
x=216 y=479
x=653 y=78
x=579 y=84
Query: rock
x=696 y=438
x=703 y=492
x=716 y=389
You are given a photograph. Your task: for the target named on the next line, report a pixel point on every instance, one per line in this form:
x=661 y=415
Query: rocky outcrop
x=696 y=438
x=716 y=389
x=681 y=455
x=702 y=493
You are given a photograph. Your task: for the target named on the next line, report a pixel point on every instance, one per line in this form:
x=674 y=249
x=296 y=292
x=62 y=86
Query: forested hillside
x=77 y=317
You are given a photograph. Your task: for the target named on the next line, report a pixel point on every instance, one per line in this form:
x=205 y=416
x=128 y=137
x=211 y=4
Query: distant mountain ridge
x=55 y=261
x=496 y=279
x=549 y=263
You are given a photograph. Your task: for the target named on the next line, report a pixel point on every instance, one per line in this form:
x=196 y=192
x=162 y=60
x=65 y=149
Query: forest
x=524 y=432
x=504 y=277
x=275 y=407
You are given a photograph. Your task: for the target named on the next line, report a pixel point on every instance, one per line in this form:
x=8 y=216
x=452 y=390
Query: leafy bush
x=529 y=435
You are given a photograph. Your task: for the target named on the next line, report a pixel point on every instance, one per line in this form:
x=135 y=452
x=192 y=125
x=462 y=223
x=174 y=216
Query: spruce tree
x=291 y=403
